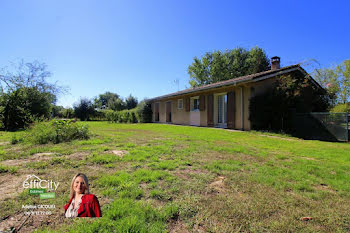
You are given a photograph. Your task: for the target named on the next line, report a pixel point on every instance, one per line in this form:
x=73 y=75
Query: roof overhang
x=237 y=81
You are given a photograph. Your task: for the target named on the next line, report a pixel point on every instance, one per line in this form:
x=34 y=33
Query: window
x=195 y=104
x=180 y=104
x=222 y=109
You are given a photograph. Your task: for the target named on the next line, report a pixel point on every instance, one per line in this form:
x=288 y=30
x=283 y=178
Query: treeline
x=27 y=97
x=108 y=106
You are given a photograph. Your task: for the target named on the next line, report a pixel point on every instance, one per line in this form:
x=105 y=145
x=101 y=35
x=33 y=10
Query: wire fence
x=326 y=126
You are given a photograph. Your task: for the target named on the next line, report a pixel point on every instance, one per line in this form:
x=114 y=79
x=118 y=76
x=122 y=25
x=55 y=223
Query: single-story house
x=223 y=104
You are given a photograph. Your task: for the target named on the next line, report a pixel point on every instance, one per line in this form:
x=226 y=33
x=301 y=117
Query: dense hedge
x=124 y=116
x=142 y=113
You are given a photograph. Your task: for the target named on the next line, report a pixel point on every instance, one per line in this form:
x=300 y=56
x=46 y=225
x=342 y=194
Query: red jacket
x=89 y=206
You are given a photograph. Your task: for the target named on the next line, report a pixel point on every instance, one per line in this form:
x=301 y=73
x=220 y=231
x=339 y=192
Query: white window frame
x=178 y=104
x=216 y=120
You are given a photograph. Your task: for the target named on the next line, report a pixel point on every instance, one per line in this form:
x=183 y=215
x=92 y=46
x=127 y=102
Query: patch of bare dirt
x=11 y=222
x=325 y=187
x=271 y=136
x=218 y=185
x=4 y=143
x=14 y=162
x=307 y=158
x=10 y=185
x=34 y=158
x=78 y=155
x=177 y=227
x=28 y=223
x=199 y=228
x=186 y=173
x=119 y=153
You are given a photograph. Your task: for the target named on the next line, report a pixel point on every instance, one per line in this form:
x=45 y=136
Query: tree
x=336 y=80
x=84 y=109
x=219 y=66
x=131 y=102
x=116 y=104
x=68 y=113
x=343 y=71
x=328 y=79
x=144 y=110
x=57 y=111
x=103 y=101
x=25 y=94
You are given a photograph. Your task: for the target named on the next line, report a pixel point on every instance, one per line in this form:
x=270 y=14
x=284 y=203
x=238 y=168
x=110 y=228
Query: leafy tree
x=57 y=111
x=25 y=94
x=144 y=110
x=84 y=109
x=336 y=80
x=219 y=66
x=103 y=101
x=116 y=104
x=343 y=71
x=131 y=102
x=68 y=113
x=328 y=79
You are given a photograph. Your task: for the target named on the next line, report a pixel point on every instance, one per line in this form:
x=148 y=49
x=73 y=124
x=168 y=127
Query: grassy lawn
x=159 y=178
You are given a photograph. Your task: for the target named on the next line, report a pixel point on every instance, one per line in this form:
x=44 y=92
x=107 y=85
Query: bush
x=23 y=106
x=144 y=111
x=125 y=116
x=341 y=108
x=25 y=95
x=57 y=131
x=15 y=139
x=84 y=109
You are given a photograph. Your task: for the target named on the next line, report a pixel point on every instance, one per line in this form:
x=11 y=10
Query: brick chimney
x=275 y=63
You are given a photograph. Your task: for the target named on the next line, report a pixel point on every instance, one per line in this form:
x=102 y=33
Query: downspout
x=242 y=110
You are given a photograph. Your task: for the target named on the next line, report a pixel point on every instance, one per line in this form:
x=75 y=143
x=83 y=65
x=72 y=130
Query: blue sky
x=141 y=47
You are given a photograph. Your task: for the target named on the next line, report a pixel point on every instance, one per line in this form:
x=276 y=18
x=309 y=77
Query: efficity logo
x=40 y=187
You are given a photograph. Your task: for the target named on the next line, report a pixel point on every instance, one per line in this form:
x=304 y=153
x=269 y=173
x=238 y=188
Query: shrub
x=125 y=116
x=15 y=139
x=57 y=131
x=25 y=95
x=84 y=109
x=144 y=111
x=341 y=108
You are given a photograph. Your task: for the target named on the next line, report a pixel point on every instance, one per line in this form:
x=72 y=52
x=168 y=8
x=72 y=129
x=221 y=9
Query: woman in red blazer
x=81 y=203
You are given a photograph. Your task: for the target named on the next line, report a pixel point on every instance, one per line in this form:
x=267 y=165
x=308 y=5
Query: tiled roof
x=234 y=81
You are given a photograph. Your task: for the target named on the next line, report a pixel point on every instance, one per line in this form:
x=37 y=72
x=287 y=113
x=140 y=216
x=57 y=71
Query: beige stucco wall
x=162 y=116
x=180 y=116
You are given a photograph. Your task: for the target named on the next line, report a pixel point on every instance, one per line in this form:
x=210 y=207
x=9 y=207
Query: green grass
x=10 y=169
x=103 y=158
x=201 y=179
